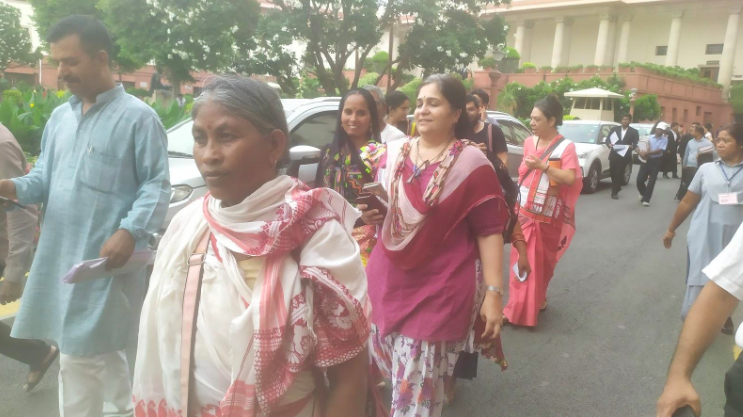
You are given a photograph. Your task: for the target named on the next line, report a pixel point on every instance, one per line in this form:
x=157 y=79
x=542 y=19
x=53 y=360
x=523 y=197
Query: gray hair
x=374 y=89
x=247 y=98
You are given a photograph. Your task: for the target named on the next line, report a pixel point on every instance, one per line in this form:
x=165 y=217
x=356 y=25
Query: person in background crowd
x=467 y=362
x=388 y=131
x=484 y=106
x=263 y=342
x=714 y=197
x=716 y=303
x=683 y=143
x=353 y=158
x=435 y=278
x=669 y=156
x=488 y=137
x=551 y=181
x=180 y=100
x=697 y=152
x=708 y=132
x=658 y=142
x=398 y=108
x=17 y=233
x=103 y=177
x=628 y=136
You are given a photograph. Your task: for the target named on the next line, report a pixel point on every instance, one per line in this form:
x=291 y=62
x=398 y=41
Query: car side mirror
x=301 y=155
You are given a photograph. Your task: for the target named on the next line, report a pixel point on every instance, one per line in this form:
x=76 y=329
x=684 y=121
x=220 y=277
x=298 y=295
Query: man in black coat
x=625 y=135
x=669 y=163
x=685 y=138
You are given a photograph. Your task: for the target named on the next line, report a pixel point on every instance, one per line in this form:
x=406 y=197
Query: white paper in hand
x=521 y=278
x=621 y=150
x=96 y=268
x=614 y=138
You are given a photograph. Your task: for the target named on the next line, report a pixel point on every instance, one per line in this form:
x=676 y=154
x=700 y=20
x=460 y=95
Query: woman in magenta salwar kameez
x=551 y=181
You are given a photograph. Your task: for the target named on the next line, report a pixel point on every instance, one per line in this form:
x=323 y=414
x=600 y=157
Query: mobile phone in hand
x=5 y=201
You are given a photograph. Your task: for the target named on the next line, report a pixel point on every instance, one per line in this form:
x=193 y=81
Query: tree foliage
x=519 y=100
x=269 y=52
x=736 y=98
x=447 y=35
x=181 y=36
x=15 y=42
x=49 y=12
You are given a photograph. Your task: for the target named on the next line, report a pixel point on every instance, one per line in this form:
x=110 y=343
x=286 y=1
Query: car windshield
x=643 y=130
x=580 y=133
x=180 y=141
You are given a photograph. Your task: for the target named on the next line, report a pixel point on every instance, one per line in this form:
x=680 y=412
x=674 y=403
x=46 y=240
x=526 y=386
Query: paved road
x=602 y=348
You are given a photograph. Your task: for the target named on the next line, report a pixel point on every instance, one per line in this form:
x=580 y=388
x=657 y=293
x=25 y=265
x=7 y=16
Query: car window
x=505 y=126
x=605 y=129
x=316 y=131
x=580 y=133
x=520 y=134
x=180 y=140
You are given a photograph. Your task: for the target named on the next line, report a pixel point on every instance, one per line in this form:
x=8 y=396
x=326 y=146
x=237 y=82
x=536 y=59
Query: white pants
x=95 y=386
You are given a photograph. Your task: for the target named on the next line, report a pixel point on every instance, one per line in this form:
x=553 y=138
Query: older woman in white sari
x=257 y=304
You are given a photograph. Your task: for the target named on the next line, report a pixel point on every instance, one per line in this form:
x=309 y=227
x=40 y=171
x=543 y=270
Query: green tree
x=443 y=36
x=736 y=99
x=647 y=107
x=181 y=36
x=333 y=31
x=49 y=12
x=269 y=52
x=446 y=35
x=15 y=42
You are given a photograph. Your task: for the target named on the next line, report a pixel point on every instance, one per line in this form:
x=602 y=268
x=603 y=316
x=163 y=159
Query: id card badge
x=728 y=199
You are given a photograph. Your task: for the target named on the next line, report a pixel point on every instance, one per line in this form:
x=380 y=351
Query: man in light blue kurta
x=103 y=178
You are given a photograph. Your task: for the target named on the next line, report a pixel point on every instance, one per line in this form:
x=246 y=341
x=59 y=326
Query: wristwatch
x=495 y=289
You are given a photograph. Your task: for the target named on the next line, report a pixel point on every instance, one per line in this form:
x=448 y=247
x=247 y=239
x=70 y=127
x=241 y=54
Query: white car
x=593 y=154
x=311 y=125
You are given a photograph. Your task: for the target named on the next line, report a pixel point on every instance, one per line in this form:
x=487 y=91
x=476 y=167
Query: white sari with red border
x=308 y=308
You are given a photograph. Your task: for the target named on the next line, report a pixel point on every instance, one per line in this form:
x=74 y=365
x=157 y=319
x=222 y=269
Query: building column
x=558 y=42
x=526 y=53
x=602 y=41
x=623 y=54
x=611 y=45
x=567 y=35
x=728 y=52
x=672 y=55
x=518 y=43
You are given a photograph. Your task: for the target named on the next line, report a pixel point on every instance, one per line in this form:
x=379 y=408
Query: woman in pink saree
x=435 y=276
x=550 y=182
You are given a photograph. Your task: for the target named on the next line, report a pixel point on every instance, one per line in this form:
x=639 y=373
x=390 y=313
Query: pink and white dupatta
x=419 y=223
x=299 y=315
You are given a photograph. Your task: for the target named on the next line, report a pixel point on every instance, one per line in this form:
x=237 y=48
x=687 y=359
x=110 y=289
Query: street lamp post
x=495 y=76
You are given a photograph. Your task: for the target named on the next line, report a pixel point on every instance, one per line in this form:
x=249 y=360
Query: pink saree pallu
x=425 y=278
x=547 y=217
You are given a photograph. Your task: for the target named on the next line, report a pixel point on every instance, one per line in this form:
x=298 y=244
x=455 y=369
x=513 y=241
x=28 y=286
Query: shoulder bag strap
x=191 y=297
x=490 y=138
x=547 y=152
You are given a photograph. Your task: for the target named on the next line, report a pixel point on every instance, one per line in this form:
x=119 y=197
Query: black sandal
x=729 y=327
x=41 y=369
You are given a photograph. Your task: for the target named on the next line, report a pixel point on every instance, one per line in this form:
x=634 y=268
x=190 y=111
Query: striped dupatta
x=303 y=311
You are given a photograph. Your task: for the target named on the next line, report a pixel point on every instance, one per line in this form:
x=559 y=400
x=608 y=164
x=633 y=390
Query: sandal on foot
x=41 y=369
x=544 y=306
x=729 y=327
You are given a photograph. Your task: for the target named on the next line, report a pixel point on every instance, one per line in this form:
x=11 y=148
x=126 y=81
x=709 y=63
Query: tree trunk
x=175 y=85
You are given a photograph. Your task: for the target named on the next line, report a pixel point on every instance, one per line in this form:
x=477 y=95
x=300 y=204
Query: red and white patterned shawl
x=297 y=316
